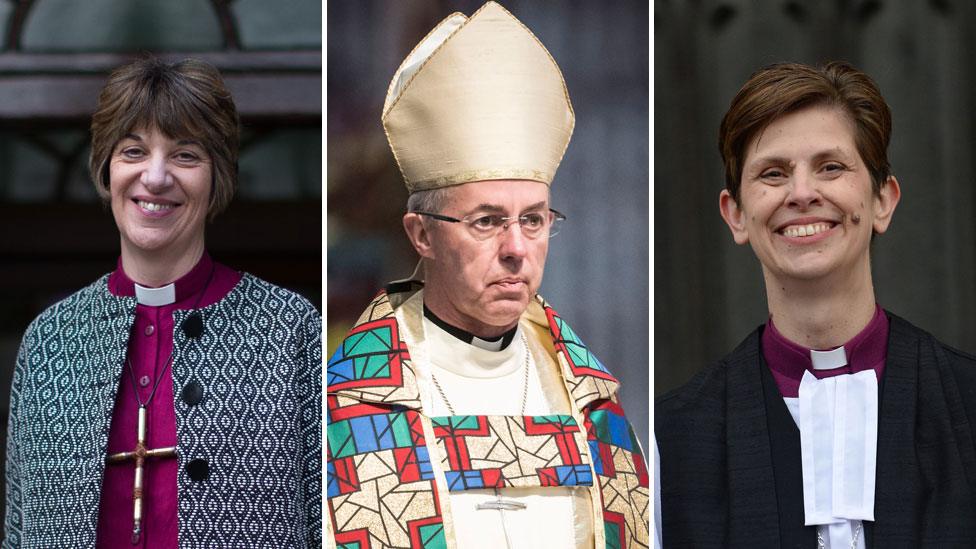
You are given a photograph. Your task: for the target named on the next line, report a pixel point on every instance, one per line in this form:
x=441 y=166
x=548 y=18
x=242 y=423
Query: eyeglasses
x=485 y=226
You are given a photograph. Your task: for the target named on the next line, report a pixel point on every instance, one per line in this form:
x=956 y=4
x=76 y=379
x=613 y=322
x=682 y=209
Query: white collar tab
x=828 y=360
x=487 y=345
x=156 y=297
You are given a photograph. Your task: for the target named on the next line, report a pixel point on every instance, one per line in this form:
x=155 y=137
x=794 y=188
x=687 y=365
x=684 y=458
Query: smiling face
x=482 y=286
x=806 y=200
x=160 y=192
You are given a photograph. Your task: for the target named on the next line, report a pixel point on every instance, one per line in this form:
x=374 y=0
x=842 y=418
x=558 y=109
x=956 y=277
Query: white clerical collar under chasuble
x=466 y=359
x=156 y=297
x=499 y=343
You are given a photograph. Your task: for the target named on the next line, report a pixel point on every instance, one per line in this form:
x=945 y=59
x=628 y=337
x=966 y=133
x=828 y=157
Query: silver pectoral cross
x=139 y=454
x=501 y=504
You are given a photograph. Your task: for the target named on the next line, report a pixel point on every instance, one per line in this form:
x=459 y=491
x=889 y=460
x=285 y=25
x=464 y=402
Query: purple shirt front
x=787 y=360
x=150 y=347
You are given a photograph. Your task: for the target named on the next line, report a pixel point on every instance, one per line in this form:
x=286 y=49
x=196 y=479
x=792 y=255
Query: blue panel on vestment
x=462 y=480
x=362 y=433
x=340 y=369
x=595 y=455
x=454 y=480
x=619 y=431
x=384 y=432
x=472 y=479
x=333 y=481
x=574 y=475
x=423 y=463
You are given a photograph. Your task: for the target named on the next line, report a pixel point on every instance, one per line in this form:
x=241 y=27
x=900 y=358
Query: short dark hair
x=187 y=99
x=783 y=88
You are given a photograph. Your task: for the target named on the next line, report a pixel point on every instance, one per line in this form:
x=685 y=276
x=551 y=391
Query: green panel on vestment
x=581 y=357
x=401 y=430
x=373 y=366
x=612 y=533
x=601 y=427
x=340 y=439
x=555 y=418
x=464 y=422
x=371 y=341
x=455 y=422
x=432 y=536
x=565 y=332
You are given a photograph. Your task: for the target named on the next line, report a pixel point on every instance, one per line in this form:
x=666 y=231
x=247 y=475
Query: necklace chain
x=169 y=360
x=525 y=393
x=821 y=544
x=525 y=381
x=142 y=451
x=132 y=377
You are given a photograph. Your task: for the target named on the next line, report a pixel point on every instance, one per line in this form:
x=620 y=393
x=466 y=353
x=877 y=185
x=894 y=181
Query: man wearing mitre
x=463 y=410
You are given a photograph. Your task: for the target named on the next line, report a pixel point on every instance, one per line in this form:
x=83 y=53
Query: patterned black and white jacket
x=259 y=426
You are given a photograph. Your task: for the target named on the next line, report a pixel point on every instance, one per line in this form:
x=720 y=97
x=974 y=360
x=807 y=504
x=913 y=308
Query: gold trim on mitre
x=478 y=98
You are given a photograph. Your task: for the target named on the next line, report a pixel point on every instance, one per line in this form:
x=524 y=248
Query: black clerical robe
x=730 y=452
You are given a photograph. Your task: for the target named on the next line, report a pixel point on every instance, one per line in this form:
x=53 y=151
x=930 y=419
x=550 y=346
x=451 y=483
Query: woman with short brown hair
x=835 y=424
x=185 y=98
x=175 y=401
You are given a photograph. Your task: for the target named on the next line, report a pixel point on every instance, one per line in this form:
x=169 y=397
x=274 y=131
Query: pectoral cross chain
x=140 y=454
x=501 y=504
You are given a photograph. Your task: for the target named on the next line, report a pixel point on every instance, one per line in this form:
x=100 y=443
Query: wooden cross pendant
x=139 y=455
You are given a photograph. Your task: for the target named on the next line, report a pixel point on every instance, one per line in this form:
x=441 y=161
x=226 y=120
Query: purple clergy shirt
x=787 y=360
x=150 y=348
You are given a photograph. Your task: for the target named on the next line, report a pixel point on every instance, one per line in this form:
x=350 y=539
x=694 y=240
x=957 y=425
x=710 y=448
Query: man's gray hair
x=431 y=200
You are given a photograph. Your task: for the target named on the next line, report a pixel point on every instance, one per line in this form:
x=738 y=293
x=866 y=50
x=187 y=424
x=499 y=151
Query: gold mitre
x=478 y=98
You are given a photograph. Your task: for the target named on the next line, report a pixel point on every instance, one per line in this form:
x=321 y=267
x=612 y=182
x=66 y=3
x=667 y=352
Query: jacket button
x=193 y=325
x=198 y=469
x=192 y=393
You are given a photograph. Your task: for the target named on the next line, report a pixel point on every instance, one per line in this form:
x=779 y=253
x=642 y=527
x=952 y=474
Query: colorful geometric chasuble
x=380 y=479
x=622 y=473
x=370 y=361
x=500 y=451
x=381 y=487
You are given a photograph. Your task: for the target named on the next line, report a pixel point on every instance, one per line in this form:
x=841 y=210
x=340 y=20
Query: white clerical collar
x=461 y=358
x=828 y=360
x=496 y=344
x=487 y=345
x=156 y=297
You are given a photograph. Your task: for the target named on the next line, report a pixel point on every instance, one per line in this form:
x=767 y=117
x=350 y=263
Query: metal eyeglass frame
x=553 y=228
